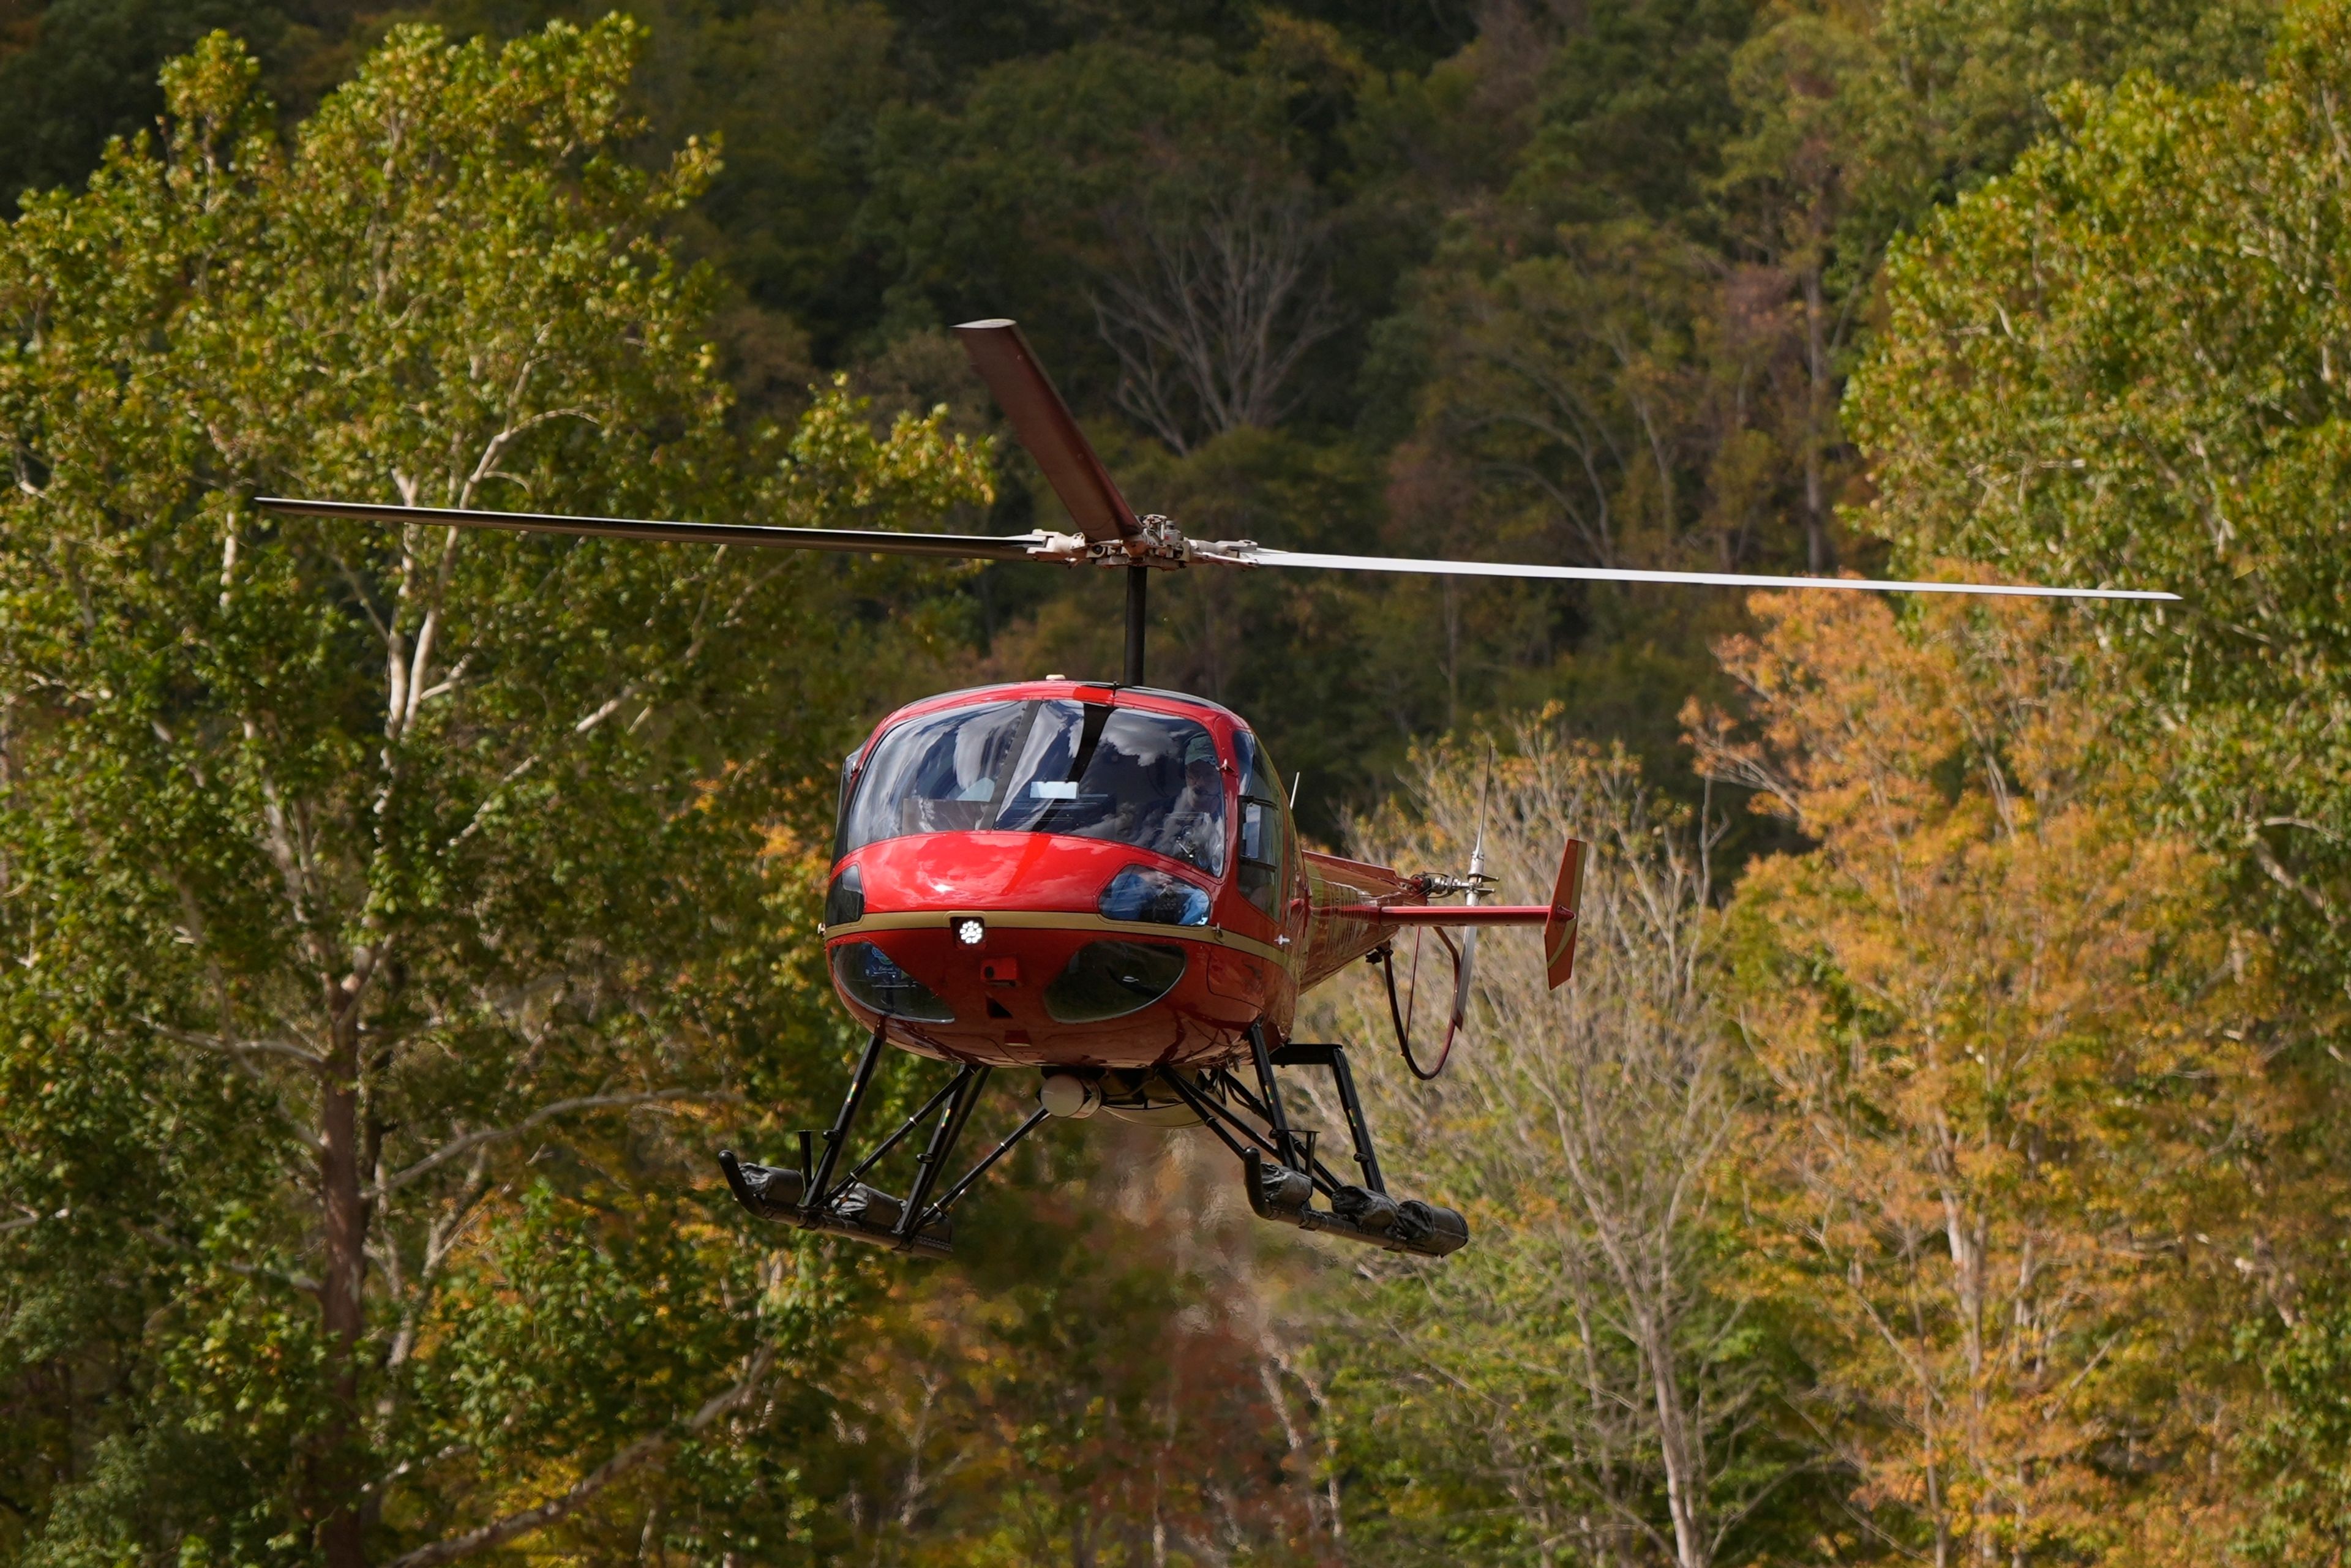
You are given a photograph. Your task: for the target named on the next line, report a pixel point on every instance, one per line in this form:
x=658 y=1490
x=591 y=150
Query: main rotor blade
x=1047 y=428
x=1259 y=556
x=850 y=541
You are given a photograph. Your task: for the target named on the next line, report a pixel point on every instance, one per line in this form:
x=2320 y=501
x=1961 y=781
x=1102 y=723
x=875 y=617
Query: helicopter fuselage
x=1068 y=873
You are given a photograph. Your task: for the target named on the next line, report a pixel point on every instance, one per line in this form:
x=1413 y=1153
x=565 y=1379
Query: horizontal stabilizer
x=1450 y=915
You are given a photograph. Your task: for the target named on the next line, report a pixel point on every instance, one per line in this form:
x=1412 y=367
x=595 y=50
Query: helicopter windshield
x=1085 y=770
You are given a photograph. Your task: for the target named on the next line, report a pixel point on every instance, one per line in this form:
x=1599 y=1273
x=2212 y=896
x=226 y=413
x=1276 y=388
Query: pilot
x=1190 y=829
x=1203 y=790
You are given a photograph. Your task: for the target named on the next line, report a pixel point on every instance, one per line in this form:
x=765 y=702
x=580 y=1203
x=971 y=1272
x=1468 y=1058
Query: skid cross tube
x=1325 y=1179
x=1217 y=1118
x=966 y=1087
x=1359 y=1131
x=1282 y=1186
x=938 y=1211
x=1357 y=1128
x=1240 y=1151
x=813 y=1199
x=1263 y=1060
x=909 y=1124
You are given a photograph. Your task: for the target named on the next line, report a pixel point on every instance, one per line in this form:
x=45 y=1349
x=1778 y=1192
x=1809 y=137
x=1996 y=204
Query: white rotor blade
x=1260 y=555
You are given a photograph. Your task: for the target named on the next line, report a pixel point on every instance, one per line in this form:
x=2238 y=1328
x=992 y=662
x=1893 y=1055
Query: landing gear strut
x=1277 y=1160
x=1279 y=1163
x=807 y=1195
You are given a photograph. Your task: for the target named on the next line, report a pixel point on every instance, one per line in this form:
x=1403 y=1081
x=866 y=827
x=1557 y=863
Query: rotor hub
x=1159 y=543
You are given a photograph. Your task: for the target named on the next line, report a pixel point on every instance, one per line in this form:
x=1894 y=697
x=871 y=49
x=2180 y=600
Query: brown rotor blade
x=1047 y=428
x=850 y=541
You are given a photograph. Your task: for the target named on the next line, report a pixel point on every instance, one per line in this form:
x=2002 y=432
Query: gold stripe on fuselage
x=1057 y=920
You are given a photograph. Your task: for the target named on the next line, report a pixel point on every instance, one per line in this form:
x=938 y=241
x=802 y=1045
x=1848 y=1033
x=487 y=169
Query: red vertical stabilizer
x=1566 y=904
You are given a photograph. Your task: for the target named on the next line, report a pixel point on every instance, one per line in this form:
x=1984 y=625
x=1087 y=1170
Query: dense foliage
x=1939 y=1156
x=1580 y=283
x=337 y=862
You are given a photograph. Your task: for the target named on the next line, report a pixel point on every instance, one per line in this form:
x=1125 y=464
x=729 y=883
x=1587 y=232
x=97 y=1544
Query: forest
x=1940 y=1155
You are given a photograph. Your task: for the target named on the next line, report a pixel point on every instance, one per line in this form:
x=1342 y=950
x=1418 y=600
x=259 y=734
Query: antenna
x=1478 y=851
x=1293 y=790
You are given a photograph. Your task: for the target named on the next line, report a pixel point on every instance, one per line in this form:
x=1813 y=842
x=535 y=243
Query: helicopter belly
x=1039 y=988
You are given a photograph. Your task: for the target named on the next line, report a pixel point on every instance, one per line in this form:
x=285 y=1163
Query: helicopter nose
x=1037 y=989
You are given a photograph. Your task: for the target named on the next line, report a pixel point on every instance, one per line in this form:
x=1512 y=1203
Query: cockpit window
x=1085 y=770
x=933 y=774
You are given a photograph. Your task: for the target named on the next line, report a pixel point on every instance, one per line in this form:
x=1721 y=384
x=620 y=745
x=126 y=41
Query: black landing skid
x=807 y=1196
x=1277 y=1160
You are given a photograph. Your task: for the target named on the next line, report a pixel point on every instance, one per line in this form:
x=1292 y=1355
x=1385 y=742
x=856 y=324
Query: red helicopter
x=1102 y=882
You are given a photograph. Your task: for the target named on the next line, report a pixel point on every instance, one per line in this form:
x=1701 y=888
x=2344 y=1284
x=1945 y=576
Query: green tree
x=393 y=917
x=86 y=71
x=2119 y=362
x=1855 y=122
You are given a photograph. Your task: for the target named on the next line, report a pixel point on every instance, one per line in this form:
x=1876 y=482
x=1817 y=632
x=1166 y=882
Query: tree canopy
x=1940 y=1154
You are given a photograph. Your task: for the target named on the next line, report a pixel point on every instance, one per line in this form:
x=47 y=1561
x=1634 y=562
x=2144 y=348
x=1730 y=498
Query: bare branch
x=537 y=1119
x=29 y=1217
x=1613 y=1099
x=287 y=1278
x=1220 y=308
x=448 y=1452
x=239 y=1048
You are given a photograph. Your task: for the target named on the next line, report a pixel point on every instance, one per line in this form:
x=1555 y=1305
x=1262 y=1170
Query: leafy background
x=1939 y=1156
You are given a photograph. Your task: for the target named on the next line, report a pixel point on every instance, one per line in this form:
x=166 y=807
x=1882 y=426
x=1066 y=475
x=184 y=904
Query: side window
x=841 y=809
x=848 y=777
x=1259 y=873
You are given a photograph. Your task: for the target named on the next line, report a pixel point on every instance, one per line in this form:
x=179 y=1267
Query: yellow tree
x=2009 y=1102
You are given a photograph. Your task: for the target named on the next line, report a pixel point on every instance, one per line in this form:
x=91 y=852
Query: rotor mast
x=1138 y=594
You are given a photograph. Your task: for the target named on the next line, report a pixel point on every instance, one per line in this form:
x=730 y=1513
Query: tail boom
x=1358 y=906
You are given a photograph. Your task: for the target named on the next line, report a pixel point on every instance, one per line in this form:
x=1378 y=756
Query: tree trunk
x=335 y=1486
x=1682 y=1478
x=1452 y=658
x=1818 y=556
